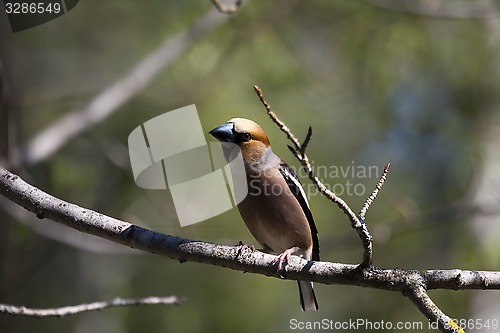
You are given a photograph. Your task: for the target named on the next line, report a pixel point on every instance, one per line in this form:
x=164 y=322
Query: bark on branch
x=412 y=284
x=44 y=205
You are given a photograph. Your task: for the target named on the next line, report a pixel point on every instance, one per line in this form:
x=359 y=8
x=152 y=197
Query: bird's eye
x=246 y=136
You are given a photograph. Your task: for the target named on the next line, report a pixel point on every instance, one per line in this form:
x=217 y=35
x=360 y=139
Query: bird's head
x=247 y=134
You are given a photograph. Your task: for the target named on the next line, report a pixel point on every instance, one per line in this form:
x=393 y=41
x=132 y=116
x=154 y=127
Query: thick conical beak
x=224 y=133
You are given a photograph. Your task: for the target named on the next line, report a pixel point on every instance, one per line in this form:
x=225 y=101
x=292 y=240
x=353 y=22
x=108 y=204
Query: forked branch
x=299 y=151
x=43 y=205
x=412 y=286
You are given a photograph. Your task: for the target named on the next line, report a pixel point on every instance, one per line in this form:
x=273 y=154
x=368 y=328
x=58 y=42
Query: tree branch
x=418 y=295
x=44 y=205
x=61 y=234
x=95 y=306
x=409 y=283
x=373 y=195
x=299 y=152
x=85 y=220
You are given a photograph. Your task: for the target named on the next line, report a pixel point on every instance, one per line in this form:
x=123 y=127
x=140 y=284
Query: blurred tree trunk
x=486 y=226
x=486 y=193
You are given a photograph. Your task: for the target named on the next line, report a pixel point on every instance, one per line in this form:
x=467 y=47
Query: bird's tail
x=307 y=297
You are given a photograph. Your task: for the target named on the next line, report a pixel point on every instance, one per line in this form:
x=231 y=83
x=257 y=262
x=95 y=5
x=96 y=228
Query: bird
x=275 y=210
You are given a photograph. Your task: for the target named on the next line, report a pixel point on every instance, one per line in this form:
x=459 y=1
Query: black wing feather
x=293 y=182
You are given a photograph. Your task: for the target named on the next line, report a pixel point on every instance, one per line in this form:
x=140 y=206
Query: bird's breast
x=273 y=215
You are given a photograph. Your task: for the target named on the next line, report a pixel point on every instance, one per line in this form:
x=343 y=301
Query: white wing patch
x=296 y=182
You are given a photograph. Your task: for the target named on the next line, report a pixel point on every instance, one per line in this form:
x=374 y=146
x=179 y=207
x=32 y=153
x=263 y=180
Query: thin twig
x=373 y=195
x=278 y=122
x=306 y=140
x=299 y=153
x=366 y=237
x=95 y=306
x=416 y=290
x=227 y=9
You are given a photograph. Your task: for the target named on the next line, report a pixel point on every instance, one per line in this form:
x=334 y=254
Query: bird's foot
x=283 y=258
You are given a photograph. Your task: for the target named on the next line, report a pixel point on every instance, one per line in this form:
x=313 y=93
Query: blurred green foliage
x=375 y=85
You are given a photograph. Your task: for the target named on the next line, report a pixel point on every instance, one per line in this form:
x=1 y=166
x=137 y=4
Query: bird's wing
x=295 y=186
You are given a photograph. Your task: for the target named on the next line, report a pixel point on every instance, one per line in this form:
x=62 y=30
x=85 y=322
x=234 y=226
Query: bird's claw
x=281 y=261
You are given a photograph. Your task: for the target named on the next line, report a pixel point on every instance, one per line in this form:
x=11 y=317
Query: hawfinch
x=275 y=210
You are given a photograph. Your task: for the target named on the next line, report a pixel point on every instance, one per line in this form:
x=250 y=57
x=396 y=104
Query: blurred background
x=414 y=83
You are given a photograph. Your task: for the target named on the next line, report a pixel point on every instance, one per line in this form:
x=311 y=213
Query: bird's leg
x=283 y=258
